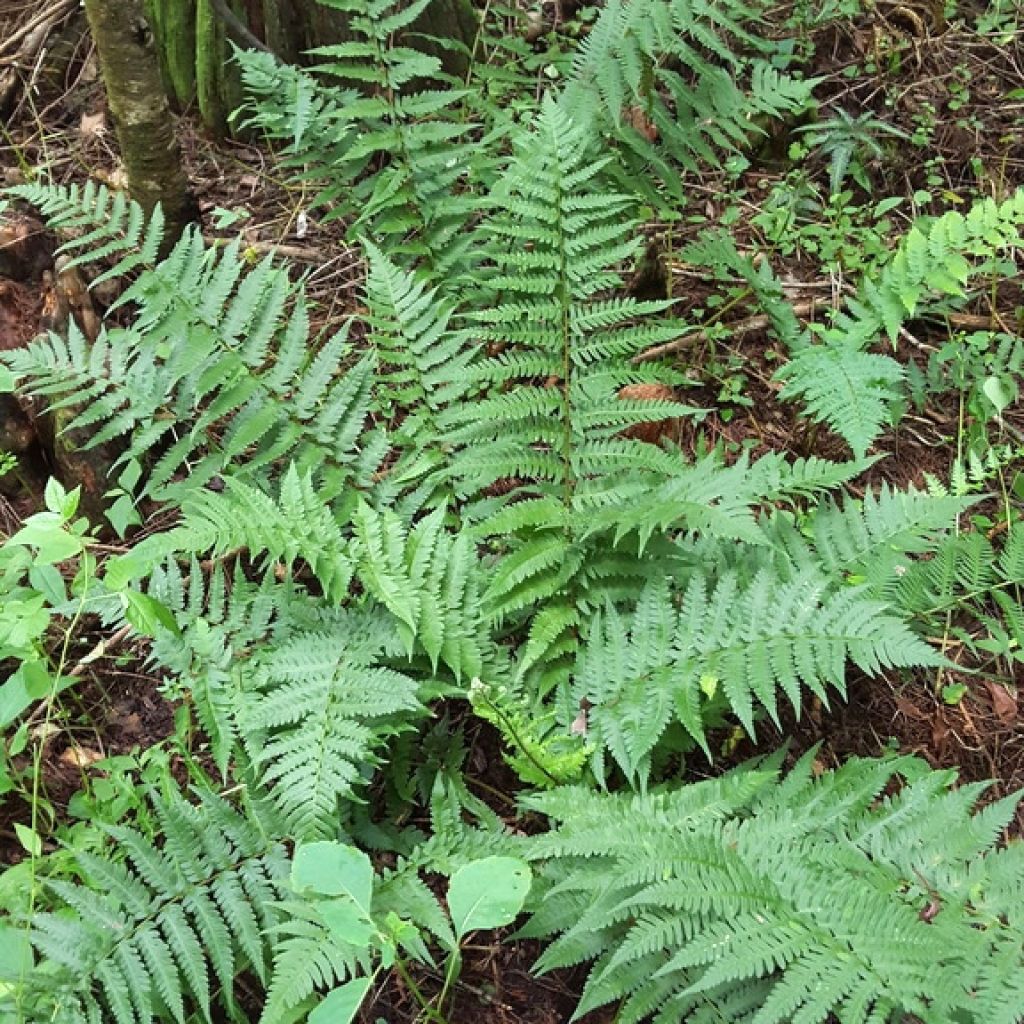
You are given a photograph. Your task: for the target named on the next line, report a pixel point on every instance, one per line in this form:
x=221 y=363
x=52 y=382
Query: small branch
x=47 y=17
x=235 y=27
x=751 y=325
x=79 y=668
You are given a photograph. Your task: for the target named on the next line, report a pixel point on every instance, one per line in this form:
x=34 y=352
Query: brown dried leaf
x=93 y=125
x=1004 y=703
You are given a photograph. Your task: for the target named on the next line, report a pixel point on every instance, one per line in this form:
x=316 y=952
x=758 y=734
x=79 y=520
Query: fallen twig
x=750 y=325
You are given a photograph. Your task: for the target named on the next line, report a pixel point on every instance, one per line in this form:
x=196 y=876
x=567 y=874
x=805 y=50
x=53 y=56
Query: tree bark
x=142 y=118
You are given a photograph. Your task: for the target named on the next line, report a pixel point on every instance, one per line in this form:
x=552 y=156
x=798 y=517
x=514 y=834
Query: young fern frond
x=161 y=931
x=765 y=901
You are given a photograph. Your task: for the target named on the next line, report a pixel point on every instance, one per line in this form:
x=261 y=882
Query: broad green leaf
x=29 y=838
x=331 y=869
x=147 y=615
x=1000 y=391
x=341 y=1005
x=346 y=921
x=487 y=893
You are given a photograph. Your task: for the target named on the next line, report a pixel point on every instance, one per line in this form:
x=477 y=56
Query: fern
x=934 y=259
x=417 y=203
x=966 y=583
x=853 y=390
x=542 y=754
x=320 y=706
x=161 y=931
x=756 y=899
x=430 y=582
x=850 y=390
x=422 y=369
x=552 y=419
x=221 y=618
x=110 y=224
x=748 y=642
x=673 y=63
x=297 y=526
x=214 y=372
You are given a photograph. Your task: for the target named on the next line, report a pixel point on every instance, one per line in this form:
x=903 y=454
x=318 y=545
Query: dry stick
x=34 y=51
x=83 y=663
x=63 y=9
x=740 y=327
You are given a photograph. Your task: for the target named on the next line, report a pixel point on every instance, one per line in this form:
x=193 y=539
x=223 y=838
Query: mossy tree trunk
x=193 y=38
x=443 y=19
x=145 y=131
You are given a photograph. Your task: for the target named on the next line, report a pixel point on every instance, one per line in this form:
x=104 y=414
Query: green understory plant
x=868 y=893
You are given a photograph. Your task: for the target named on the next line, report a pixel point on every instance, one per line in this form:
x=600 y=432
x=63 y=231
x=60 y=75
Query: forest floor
x=943 y=86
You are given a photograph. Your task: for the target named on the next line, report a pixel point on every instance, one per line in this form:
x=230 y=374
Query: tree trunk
x=138 y=104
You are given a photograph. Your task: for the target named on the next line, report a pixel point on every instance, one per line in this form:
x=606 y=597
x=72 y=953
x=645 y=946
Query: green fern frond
x=558 y=241
x=320 y=709
x=849 y=390
x=706 y=496
x=742 y=642
x=791 y=899
x=631 y=61
x=541 y=754
x=416 y=202
x=214 y=372
x=873 y=537
x=107 y=224
x=162 y=931
x=297 y=525
x=429 y=580
x=221 y=616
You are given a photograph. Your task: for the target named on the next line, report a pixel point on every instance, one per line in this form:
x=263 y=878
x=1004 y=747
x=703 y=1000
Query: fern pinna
x=866 y=894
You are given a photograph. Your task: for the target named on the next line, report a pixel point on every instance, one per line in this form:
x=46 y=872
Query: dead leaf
x=80 y=757
x=93 y=125
x=1004 y=703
